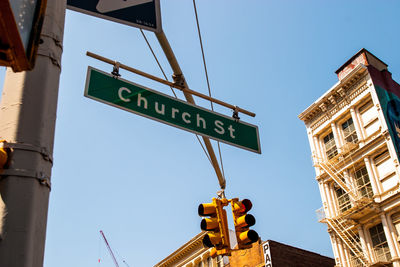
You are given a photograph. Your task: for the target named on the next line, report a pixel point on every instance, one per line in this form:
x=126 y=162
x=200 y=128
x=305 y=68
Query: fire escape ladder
x=349 y=237
x=337 y=177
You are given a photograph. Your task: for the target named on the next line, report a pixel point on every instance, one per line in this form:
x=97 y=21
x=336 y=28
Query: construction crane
x=109 y=249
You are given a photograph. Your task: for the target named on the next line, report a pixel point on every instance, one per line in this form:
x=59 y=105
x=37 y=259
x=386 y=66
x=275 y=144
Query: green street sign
x=154 y=105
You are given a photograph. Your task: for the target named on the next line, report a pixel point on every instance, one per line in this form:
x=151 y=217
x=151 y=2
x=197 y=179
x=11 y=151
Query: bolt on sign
x=143 y=14
x=154 y=105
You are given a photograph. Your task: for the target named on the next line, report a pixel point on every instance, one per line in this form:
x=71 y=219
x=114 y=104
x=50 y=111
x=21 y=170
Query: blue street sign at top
x=143 y=14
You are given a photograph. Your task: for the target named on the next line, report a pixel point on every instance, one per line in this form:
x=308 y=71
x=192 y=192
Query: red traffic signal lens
x=241 y=207
x=247 y=205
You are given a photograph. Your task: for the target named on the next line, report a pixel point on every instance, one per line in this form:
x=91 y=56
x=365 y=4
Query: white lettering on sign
x=125 y=95
x=267 y=255
x=141 y=99
x=185 y=117
x=120 y=94
x=158 y=110
x=174 y=111
x=220 y=129
x=104 y=6
x=200 y=119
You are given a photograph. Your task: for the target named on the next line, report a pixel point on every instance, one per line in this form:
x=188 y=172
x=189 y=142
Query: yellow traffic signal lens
x=245 y=221
x=208 y=224
x=248 y=237
x=212 y=239
x=207 y=209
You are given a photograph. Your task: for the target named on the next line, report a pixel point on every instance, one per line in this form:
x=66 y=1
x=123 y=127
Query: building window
x=379 y=243
x=200 y=264
x=349 y=131
x=396 y=223
x=363 y=183
x=343 y=199
x=330 y=146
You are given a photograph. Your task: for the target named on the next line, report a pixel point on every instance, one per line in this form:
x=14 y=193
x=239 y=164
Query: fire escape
x=352 y=202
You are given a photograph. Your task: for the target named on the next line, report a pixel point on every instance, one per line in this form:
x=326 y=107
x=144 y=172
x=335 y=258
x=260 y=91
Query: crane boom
x=109 y=248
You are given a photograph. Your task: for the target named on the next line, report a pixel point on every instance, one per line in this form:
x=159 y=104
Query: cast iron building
x=354 y=133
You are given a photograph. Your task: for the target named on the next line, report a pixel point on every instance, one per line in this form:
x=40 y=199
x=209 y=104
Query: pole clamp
x=42 y=177
x=221 y=193
x=115 y=71
x=179 y=79
x=42 y=150
x=235 y=114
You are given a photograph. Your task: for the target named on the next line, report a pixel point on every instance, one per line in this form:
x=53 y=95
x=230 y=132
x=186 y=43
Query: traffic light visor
x=208 y=224
x=207 y=209
x=245 y=221
x=248 y=237
x=211 y=239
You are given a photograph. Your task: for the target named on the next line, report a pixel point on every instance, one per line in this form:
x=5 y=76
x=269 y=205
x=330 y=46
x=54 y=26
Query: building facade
x=193 y=254
x=354 y=132
x=261 y=254
x=274 y=254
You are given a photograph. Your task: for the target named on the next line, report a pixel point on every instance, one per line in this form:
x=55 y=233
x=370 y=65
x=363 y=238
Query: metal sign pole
x=27 y=122
x=162 y=39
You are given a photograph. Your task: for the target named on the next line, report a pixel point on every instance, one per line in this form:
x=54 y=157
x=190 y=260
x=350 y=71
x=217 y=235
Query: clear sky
x=141 y=181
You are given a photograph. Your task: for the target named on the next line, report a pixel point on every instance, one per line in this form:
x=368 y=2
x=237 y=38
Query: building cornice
x=333 y=96
x=184 y=250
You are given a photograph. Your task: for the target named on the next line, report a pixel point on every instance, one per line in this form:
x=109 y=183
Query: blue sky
x=141 y=181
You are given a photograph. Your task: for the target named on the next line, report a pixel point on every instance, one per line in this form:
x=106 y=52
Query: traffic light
x=3 y=154
x=245 y=237
x=217 y=226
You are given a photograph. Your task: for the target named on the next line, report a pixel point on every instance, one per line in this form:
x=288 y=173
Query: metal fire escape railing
x=331 y=166
x=351 y=201
x=349 y=237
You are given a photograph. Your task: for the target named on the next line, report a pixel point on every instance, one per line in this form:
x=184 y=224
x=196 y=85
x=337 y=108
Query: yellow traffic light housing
x=216 y=225
x=245 y=237
x=3 y=154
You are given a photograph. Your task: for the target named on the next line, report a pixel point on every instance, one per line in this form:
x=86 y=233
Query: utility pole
x=180 y=79
x=27 y=122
